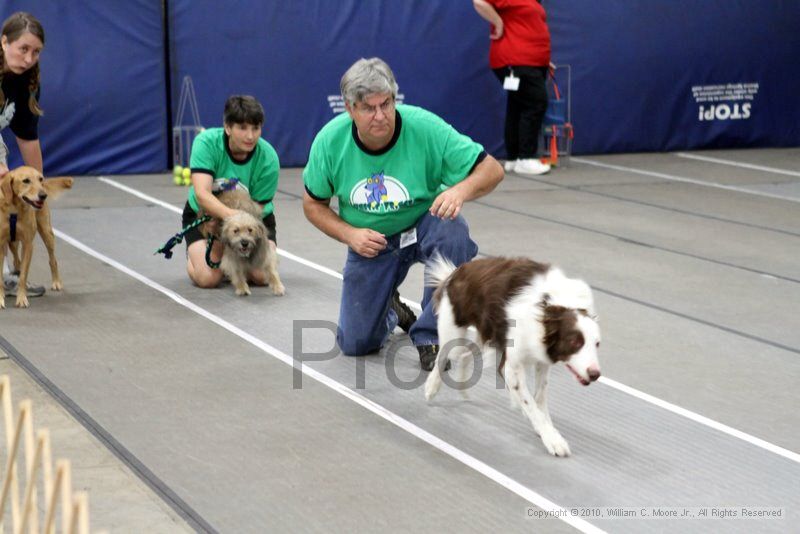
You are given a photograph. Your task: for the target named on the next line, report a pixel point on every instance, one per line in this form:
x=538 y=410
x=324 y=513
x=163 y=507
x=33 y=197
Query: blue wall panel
x=291 y=55
x=647 y=75
x=103 y=86
x=635 y=64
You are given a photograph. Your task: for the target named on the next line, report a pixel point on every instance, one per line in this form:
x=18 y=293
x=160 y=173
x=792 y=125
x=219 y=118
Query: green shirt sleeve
x=317 y=174
x=202 y=158
x=264 y=183
x=459 y=155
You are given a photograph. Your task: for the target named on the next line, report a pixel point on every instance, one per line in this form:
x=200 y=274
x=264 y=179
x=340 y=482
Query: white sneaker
x=508 y=166
x=531 y=166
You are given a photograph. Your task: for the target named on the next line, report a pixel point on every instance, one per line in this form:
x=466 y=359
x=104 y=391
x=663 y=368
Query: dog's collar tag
x=511 y=82
x=408 y=238
x=12 y=223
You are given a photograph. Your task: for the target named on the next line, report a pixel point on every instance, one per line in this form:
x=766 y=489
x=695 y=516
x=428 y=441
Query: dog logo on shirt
x=379 y=194
x=377 y=190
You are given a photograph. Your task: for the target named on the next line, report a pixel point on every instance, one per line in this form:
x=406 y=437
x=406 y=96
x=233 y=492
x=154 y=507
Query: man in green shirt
x=232 y=156
x=401 y=175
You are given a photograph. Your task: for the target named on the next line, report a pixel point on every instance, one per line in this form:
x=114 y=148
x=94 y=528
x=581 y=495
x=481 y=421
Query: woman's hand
x=497 y=31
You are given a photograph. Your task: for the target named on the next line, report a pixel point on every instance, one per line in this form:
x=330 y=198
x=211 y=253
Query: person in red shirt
x=519 y=53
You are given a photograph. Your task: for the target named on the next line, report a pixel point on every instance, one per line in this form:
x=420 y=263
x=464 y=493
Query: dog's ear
x=56 y=186
x=225 y=230
x=261 y=232
x=5 y=187
x=546 y=299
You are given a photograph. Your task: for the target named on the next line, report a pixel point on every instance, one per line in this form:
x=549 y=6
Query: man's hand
x=366 y=242
x=448 y=204
x=483 y=179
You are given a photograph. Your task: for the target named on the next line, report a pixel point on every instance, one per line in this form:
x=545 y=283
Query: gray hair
x=367 y=77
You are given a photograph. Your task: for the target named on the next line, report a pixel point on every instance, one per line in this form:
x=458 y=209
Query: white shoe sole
x=533 y=173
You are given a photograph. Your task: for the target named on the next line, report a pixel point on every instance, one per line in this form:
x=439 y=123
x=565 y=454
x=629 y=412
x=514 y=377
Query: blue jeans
x=365 y=315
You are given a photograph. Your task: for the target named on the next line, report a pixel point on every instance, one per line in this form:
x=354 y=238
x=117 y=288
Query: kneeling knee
x=207 y=280
x=351 y=346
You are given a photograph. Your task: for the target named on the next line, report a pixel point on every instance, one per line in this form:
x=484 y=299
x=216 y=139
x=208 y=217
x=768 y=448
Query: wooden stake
x=52 y=502
x=30 y=514
x=10 y=475
x=11 y=466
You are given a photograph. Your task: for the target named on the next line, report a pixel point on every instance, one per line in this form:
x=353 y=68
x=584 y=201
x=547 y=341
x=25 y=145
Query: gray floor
x=119 y=501
x=696 y=274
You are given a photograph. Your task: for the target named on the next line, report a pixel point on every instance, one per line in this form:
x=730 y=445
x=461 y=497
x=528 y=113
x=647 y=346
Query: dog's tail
x=56 y=186
x=437 y=272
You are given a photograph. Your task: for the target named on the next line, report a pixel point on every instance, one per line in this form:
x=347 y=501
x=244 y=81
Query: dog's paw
x=555 y=443
x=432 y=385
x=278 y=290
x=2 y=303
x=243 y=291
x=22 y=301
x=429 y=395
x=57 y=285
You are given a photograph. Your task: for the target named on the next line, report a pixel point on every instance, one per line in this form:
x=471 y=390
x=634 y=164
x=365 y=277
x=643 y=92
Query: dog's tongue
x=35 y=203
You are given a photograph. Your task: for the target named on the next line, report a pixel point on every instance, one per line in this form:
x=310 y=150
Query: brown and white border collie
x=527 y=314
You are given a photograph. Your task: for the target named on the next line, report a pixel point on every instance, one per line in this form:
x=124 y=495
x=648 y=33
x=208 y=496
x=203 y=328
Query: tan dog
x=246 y=244
x=23 y=193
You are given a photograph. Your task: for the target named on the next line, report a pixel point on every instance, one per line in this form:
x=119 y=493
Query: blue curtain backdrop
x=635 y=64
x=646 y=75
x=291 y=55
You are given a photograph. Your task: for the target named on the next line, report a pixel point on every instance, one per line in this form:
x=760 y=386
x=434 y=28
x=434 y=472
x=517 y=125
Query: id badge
x=511 y=83
x=408 y=237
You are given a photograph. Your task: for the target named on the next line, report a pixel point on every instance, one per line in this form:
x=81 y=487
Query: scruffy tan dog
x=23 y=193
x=246 y=244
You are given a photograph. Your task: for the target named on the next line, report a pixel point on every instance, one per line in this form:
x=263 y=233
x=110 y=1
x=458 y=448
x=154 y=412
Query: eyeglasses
x=370 y=111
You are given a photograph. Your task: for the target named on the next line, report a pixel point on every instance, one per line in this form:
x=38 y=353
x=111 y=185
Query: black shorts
x=189 y=216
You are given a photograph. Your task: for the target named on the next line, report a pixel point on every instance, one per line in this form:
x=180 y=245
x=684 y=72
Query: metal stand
x=183 y=134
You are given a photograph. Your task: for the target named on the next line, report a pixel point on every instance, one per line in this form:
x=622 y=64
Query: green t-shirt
x=390 y=189
x=258 y=173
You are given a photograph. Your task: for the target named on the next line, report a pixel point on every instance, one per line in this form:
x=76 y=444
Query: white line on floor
x=137 y=193
x=721 y=161
x=758 y=442
x=468 y=460
x=683 y=179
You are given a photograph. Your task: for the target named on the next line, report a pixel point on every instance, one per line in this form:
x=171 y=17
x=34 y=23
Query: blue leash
x=166 y=249
x=177 y=239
